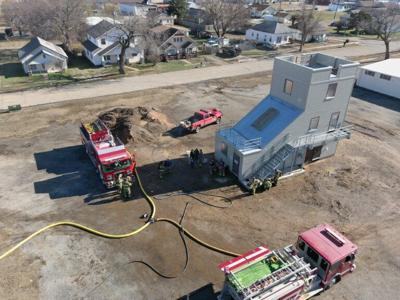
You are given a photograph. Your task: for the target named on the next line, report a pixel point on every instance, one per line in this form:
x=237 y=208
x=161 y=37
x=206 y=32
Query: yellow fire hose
x=121 y=236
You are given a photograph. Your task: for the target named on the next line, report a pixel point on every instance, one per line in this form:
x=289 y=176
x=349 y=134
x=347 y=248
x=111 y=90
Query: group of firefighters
x=258 y=184
x=124 y=186
x=196 y=157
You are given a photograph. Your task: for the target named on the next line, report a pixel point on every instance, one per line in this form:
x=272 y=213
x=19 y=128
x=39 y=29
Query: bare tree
x=67 y=19
x=308 y=24
x=384 y=23
x=12 y=13
x=226 y=14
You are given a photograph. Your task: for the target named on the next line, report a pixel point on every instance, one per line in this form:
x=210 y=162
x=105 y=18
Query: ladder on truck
x=294 y=266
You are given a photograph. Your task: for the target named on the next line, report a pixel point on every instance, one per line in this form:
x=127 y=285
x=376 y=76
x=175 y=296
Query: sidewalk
x=137 y=83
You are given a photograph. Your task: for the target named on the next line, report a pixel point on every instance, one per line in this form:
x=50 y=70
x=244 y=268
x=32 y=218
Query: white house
x=271 y=33
x=102 y=47
x=382 y=77
x=136 y=8
x=337 y=5
x=260 y=10
x=40 y=56
x=175 y=41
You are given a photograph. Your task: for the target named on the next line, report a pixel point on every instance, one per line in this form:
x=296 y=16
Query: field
x=47 y=177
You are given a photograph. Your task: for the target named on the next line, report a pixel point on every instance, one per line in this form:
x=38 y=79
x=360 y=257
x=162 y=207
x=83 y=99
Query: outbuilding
x=382 y=77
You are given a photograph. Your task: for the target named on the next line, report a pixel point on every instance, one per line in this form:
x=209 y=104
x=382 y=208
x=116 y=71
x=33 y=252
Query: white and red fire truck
x=107 y=153
x=319 y=259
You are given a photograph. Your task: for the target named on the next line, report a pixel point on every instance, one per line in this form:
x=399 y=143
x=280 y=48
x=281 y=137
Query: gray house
x=300 y=121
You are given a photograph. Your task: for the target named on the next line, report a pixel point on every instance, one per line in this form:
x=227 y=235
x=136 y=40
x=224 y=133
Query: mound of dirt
x=138 y=124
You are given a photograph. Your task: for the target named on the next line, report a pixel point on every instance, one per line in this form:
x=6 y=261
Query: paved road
x=130 y=84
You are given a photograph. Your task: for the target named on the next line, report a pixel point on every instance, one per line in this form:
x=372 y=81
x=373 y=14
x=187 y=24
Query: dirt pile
x=139 y=124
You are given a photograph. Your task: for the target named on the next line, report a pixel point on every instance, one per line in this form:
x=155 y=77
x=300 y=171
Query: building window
x=313 y=124
x=330 y=94
x=369 y=73
x=252 y=34
x=333 y=123
x=103 y=41
x=278 y=39
x=33 y=67
x=386 y=77
x=107 y=57
x=43 y=67
x=44 y=55
x=287 y=89
x=270 y=39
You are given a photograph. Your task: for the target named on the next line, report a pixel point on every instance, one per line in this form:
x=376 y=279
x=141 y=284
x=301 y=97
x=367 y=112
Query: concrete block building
x=301 y=120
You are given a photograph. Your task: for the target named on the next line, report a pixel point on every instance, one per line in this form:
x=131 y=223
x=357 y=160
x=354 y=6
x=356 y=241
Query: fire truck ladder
x=294 y=267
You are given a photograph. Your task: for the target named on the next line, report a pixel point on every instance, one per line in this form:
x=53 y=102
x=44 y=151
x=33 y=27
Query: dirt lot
x=46 y=177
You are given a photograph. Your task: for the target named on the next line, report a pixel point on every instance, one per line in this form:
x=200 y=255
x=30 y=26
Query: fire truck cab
x=107 y=153
x=327 y=250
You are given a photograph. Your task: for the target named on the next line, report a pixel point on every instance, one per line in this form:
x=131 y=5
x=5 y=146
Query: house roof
x=108 y=48
x=35 y=43
x=90 y=46
x=389 y=67
x=273 y=27
x=259 y=7
x=187 y=44
x=328 y=242
x=266 y=120
x=100 y=28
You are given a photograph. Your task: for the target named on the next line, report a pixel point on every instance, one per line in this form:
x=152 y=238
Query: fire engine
x=201 y=118
x=107 y=153
x=319 y=259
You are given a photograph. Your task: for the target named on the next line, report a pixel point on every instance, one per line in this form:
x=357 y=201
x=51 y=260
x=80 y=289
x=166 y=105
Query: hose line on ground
x=150 y=220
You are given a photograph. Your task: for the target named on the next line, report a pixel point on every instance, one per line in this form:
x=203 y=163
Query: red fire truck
x=320 y=258
x=107 y=153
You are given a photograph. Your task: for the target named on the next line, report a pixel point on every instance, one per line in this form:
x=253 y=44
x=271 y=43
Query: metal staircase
x=269 y=168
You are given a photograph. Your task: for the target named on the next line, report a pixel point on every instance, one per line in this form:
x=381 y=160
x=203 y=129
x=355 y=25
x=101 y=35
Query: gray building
x=300 y=121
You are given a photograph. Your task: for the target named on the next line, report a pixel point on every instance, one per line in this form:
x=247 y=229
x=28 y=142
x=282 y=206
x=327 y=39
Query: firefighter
x=118 y=183
x=267 y=184
x=126 y=188
x=255 y=183
x=276 y=177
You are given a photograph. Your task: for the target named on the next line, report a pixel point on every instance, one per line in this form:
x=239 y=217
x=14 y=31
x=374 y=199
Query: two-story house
x=102 y=45
x=301 y=120
x=271 y=33
x=174 y=42
x=41 y=56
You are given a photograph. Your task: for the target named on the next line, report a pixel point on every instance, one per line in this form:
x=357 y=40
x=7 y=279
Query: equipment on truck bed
x=319 y=259
x=107 y=153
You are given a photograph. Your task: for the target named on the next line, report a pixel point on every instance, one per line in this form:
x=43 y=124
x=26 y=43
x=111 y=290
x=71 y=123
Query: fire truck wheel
x=334 y=280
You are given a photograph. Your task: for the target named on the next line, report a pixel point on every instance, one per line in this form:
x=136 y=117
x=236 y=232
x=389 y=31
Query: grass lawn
x=255 y=52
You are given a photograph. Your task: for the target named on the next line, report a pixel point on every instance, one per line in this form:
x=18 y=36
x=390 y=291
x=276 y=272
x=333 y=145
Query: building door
x=333 y=121
x=235 y=164
x=312 y=154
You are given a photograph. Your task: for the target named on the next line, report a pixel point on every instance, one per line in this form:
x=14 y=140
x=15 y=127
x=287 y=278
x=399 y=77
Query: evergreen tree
x=178 y=8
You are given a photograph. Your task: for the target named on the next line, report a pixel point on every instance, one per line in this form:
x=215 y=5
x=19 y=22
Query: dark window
x=323 y=264
x=369 y=73
x=264 y=119
x=33 y=67
x=103 y=41
x=278 y=39
x=288 y=87
x=386 y=77
x=313 y=124
x=331 y=90
x=301 y=245
x=312 y=254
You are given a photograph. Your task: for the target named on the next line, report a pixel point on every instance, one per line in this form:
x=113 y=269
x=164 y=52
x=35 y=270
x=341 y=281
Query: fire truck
x=319 y=259
x=107 y=153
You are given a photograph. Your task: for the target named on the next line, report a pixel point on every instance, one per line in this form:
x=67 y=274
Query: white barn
x=382 y=77
x=40 y=56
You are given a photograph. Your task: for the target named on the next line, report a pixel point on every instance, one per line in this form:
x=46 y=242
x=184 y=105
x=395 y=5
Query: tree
x=226 y=14
x=339 y=26
x=178 y=8
x=359 y=20
x=308 y=24
x=12 y=12
x=67 y=20
x=384 y=23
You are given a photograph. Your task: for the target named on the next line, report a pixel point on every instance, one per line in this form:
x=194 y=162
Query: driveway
x=130 y=84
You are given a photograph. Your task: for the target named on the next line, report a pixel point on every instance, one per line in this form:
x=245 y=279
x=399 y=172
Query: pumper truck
x=319 y=259
x=107 y=153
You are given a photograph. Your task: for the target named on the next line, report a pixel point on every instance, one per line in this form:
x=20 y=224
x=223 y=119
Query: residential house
x=165 y=19
x=102 y=45
x=300 y=121
x=174 y=42
x=337 y=5
x=197 y=21
x=319 y=34
x=135 y=8
x=382 y=77
x=40 y=56
x=260 y=10
x=282 y=17
x=271 y=33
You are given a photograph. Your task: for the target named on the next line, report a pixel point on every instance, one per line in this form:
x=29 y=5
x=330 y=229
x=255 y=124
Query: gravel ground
x=47 y=177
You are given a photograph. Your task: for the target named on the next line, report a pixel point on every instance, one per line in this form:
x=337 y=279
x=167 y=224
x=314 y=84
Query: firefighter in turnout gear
x=278 y=174
x=267 y=184
x=118 y=183
x=254 y=185
x=126 y=191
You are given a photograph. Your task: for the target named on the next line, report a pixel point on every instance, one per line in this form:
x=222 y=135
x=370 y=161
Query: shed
x=382 y=77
